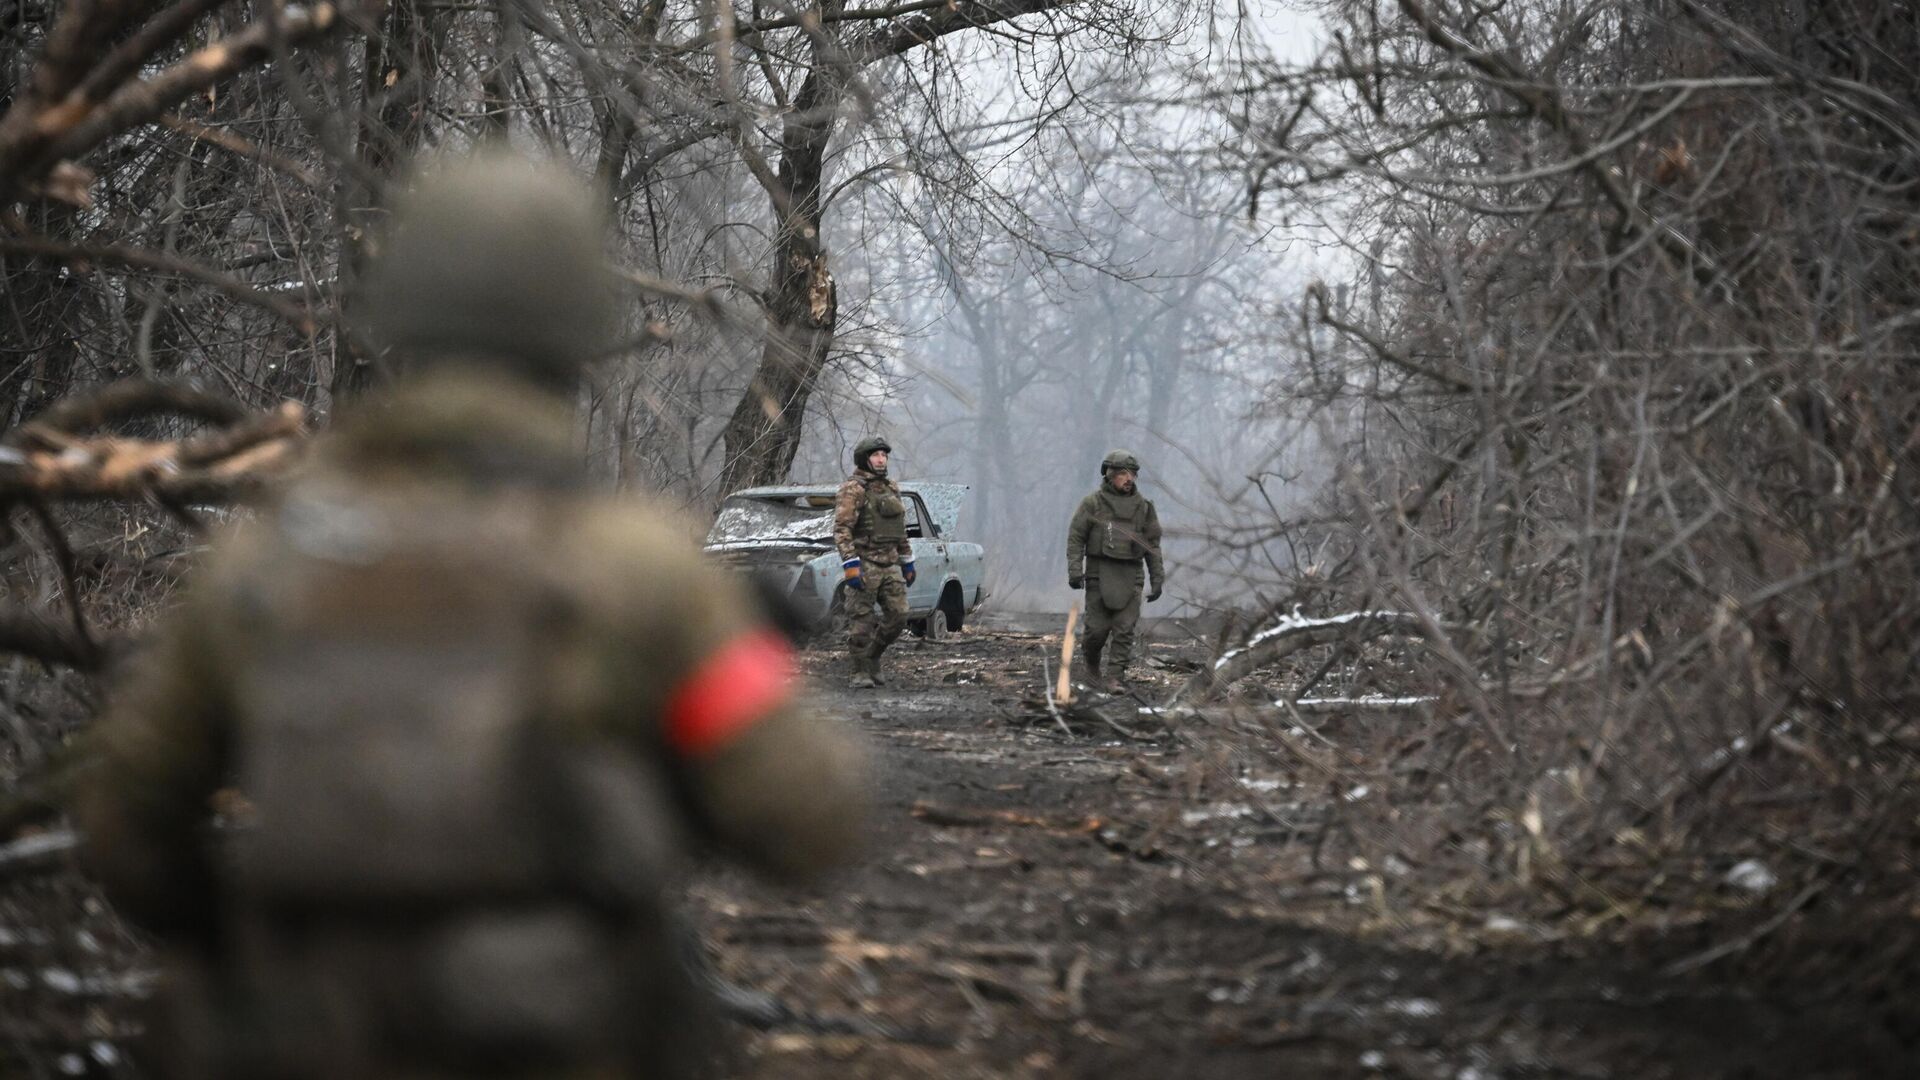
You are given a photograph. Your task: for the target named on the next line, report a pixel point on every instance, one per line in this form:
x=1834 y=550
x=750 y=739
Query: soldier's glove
x=1074 y=581
x=1155 y=594
x=855 y=579
x=906 y=571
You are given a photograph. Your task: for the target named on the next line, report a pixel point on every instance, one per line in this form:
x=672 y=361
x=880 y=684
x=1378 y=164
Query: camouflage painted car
x=784 y=536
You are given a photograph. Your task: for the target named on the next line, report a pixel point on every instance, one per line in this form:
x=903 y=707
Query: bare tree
x=1622 y=363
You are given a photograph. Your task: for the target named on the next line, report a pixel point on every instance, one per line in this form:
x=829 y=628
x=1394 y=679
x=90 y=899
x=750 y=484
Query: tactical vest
x=883 y=516
x=1117 y=537
x=400 y=748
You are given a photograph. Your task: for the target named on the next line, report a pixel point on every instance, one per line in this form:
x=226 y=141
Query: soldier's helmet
x=865 y=448
x=495 y=260
x=1119 y=459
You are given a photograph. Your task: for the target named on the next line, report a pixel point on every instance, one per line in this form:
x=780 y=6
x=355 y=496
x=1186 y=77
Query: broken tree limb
x=116 y=402
x=68 y=133
x=1046 y=686
x=36 y=854
x=1283 y=710
x=965 y=818
x=763 y=1011
x=43 y=461
x=1363 y=703
x=287 y=421
x=1747 y=940
x=1063 y=692
x=1289 y=634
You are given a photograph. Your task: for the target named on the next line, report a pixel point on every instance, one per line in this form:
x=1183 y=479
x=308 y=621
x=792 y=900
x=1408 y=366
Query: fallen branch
x=1289 y=634
x=1747 y=940
x=1364 y=703
x=762 y=1011
x=953 y=816
x=37 y=854
x=1313 y=706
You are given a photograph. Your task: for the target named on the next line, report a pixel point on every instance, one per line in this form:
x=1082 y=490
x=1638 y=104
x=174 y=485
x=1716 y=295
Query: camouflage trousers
x=1113 y=609
x=877 y=614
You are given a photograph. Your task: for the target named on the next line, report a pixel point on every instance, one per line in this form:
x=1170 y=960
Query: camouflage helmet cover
x=497 y=258
x=865 y=447
x=1119 y=459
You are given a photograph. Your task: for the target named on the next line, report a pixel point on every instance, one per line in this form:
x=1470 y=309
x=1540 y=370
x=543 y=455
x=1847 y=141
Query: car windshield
x=804 y=517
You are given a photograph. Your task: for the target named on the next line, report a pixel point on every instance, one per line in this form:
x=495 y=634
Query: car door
x=929 y=556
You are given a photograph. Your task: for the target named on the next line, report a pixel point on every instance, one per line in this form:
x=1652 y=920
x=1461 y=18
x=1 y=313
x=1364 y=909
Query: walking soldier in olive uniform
x=870 y=529
x=474 y=711
x=1114 y=531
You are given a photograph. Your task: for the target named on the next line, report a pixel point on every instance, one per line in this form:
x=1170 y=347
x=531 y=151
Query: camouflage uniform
x=870 y=531
x=476 y=715
x=1111 y=535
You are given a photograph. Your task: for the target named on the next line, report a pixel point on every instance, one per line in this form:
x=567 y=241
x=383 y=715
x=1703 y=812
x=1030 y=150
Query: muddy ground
x=1043 y=904
x=1046 y=902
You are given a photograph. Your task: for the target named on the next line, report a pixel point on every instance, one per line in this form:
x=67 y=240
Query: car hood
x=766 y=543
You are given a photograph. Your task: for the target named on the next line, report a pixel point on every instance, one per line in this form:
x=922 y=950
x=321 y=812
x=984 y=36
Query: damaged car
x=783 y=538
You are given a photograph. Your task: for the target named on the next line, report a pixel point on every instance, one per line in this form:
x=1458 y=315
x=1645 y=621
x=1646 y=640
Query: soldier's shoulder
x=852 y=485
x=634 y=530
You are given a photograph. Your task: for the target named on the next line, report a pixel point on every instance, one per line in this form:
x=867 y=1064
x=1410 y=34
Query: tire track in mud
x=1037 y=905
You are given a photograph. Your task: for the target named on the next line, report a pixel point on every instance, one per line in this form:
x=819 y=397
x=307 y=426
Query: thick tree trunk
x=764 y=432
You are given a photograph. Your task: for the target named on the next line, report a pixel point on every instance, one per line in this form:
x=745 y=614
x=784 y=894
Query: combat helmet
x=865 y=448
x=1119 y=459
x=494 y=259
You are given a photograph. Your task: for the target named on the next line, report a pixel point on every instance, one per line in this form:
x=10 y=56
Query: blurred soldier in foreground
x=1114 y=530
x=870 y=529
x=474 y=712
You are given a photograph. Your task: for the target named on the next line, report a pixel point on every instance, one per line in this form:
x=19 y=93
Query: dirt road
x=1046 y=903
x=1042 y=904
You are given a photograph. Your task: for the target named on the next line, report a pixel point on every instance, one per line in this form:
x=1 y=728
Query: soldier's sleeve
x=846 y=510
x=775 y=783
x=1156 y=568
x=1077 y=538
x=157 y=756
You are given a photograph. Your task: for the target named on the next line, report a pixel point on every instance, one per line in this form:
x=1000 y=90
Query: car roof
x=943 y=500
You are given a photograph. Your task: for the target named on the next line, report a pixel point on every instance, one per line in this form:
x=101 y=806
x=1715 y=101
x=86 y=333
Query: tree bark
x=763 y=434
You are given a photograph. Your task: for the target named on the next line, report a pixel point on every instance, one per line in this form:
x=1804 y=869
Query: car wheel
x=937 y=625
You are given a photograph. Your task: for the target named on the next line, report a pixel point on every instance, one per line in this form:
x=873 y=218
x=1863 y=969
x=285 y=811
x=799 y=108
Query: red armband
x=729 y=692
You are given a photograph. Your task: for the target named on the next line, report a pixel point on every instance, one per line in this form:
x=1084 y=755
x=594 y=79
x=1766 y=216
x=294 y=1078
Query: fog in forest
x=1527 y=390
x=1100 y=285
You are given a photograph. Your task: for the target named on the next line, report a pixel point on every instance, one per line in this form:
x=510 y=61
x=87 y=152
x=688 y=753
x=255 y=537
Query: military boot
x=862 y=677
x=1090 y=661
x=873 y=668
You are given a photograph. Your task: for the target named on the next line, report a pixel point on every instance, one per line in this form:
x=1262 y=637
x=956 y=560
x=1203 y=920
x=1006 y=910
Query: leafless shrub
x=1625 y=379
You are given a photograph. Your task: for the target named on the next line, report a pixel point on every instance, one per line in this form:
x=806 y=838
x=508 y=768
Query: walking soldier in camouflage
x=1114 y=530
x=870 y=529
x=476 y=712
